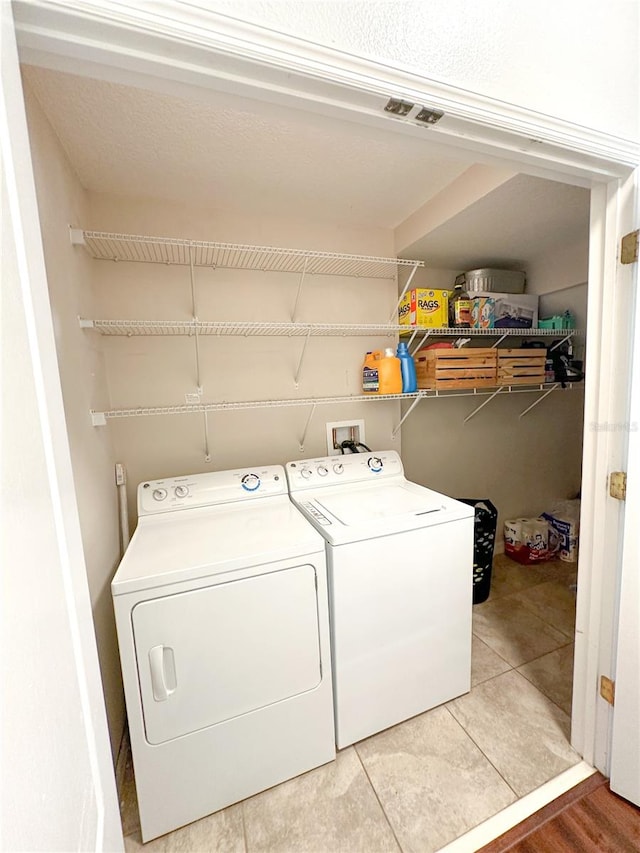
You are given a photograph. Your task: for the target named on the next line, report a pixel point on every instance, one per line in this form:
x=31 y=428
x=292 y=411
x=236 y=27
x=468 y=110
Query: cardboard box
x=510 y=310
x=424 y=307
x=564 y=518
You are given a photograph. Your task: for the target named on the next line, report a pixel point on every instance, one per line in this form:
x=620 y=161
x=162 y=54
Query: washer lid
x=367 y=505
x=180 y=546
x=351 y=513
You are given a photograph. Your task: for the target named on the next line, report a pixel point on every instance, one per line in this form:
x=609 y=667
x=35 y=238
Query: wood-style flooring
x=587 y=819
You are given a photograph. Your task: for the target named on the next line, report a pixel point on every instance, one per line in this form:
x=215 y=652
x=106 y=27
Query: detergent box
x=483 y=312
x=504 y=310
x=424 y=307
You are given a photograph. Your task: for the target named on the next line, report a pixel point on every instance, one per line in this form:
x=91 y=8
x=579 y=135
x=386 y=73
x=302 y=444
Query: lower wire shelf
x=99 y=418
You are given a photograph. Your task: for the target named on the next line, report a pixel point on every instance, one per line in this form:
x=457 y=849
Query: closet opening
x=121 y=161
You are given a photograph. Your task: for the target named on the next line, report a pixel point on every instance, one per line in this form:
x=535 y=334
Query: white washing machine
x=400 y=561
x=222 y=617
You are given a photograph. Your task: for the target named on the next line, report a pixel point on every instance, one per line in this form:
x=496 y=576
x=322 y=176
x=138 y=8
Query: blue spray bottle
x=408 y=368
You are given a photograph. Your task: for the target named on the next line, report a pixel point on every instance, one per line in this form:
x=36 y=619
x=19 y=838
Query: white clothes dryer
x=400 y=562
x=222 y=619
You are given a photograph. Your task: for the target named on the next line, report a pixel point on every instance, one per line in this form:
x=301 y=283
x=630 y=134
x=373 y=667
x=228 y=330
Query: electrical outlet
x=339 y=431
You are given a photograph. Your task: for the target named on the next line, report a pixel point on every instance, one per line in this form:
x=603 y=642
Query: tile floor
x=423 y=783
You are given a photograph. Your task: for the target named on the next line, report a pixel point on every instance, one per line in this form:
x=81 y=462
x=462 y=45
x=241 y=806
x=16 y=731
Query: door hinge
x=607 y=689
x=618 y=485
x=629 y=248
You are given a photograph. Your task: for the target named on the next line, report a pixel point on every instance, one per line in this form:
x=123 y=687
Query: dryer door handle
x=163 y=672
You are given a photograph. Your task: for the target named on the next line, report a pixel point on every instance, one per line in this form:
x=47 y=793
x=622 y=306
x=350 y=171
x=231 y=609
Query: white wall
x=58 y=790
x=523 y=465
x=43 y=729
x=61 y=201
x=560 y=278
x=145 y=371
x=572 y=59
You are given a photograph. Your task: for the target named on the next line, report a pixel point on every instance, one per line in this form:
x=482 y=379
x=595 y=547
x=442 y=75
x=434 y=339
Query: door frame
x=67 y=571
x=173 y=47
x=625 y=736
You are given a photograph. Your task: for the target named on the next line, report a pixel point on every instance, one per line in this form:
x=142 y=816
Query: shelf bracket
x=412 y=338
x=539 y=400
x=295 y=304
x=421 y=344
x=306 y=427
x=296 y=378
x=194 y=312
x=86 y=324
x=406 y=415
x=207 y=452
x=394 y=314
x=98 y=418
x=499 y=341
x=486 y=402
x=559 y=343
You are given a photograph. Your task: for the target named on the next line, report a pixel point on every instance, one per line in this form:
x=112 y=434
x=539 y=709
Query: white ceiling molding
x=193 y=46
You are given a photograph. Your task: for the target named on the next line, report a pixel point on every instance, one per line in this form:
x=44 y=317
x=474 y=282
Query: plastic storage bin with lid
x=494 y=280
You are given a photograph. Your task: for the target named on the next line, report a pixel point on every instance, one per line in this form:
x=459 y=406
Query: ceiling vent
x=400 y=108
x=427 y=116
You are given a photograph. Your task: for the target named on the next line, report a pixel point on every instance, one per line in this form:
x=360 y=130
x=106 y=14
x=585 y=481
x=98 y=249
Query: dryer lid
x=180 y=546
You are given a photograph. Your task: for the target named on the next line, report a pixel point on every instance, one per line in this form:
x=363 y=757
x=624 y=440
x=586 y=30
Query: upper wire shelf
x=299 y=329
x=246 y=329
x=201 y=253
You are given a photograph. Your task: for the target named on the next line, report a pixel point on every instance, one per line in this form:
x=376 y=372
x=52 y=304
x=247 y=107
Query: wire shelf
x=195 y=408
x=249 y=329
x=203 y=327
x=494 y=333
x=168 y=250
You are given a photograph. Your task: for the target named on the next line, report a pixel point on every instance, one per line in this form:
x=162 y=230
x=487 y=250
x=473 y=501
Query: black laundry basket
x=484 y=539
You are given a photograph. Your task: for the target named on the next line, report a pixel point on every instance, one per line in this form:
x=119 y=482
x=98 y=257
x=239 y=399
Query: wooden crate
x=456 y=368
x=521 y=366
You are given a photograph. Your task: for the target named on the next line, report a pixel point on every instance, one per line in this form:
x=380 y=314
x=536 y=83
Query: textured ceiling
x=508 y=227
x=237 y=155
x=240 y=155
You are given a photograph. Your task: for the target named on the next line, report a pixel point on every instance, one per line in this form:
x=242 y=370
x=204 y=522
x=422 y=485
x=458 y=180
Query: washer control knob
x=306 y=473
x=322 y=470
x=181 y=491
x=375 y=463
x=338 y=468
x=159 y=494
x=250 y=482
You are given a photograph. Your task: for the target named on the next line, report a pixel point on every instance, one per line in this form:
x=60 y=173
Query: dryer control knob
x=250 y=482
x=159 y=494
x=375 y=463
x=306 y=473
x=338 y=468
x=322 y=470
x=181 y=491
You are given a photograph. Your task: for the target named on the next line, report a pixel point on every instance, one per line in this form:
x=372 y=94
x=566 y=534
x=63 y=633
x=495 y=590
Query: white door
x=625 y=745
x=58 y=787
x=211 y=654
